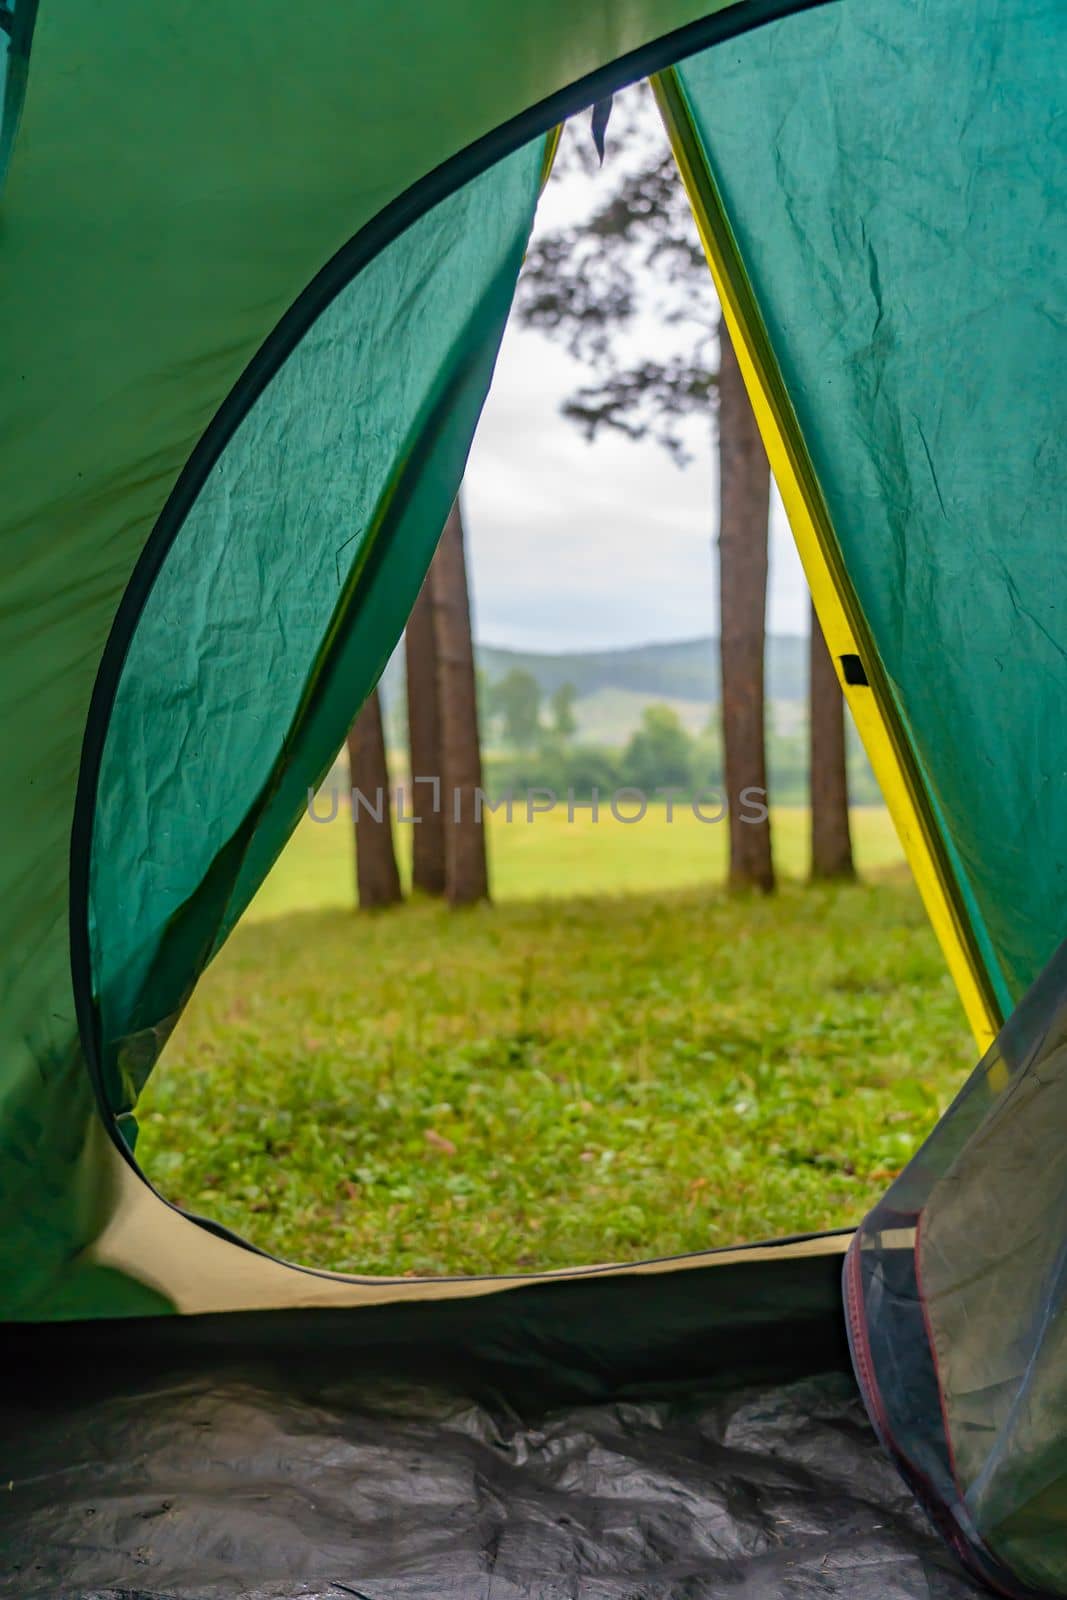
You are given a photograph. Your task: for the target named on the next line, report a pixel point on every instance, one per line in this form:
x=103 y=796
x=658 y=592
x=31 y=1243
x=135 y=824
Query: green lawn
x=551 y=1081
x=553 y=857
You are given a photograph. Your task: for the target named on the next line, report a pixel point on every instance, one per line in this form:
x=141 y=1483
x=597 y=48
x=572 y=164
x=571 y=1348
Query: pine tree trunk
x=424 y=746
x=377 y=878
x=466 y=869
x=831 y=839
x=744 y=509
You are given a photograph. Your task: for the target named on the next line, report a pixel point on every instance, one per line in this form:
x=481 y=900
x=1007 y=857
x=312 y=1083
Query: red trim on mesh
x=861 y=1344
x=971 y=1555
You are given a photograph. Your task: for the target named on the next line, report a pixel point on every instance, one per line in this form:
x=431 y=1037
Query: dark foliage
x=614 y=281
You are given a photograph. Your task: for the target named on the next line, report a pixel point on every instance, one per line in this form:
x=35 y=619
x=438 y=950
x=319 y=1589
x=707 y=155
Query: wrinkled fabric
x=268 y=621
x=957 y=1289
x=180 y=180
x=895 y=175
x=209 y=1489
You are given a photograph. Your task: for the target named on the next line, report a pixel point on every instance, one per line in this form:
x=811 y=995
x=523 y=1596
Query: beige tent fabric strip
x=198 y=1272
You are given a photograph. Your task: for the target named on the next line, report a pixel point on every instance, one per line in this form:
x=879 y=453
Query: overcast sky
x=585 y=546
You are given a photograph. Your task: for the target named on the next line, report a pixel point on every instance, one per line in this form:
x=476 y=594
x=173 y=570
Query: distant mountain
x=609 y=716
x=687 y=669
x=615 y=686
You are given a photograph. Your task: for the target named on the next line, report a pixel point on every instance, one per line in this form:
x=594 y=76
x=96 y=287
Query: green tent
x=257 y=262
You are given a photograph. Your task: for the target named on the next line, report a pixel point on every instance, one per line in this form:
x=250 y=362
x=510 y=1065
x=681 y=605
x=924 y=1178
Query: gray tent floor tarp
x=481 y=1452
x=216 y=1490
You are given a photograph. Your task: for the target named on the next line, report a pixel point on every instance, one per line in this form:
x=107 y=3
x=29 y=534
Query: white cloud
x=585 y=546
x=576 y=545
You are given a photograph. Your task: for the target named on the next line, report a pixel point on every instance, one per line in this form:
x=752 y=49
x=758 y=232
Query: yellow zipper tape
x=838 y=609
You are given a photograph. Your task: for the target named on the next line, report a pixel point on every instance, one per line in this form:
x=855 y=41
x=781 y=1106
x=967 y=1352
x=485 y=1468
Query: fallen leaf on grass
x=439 y=1142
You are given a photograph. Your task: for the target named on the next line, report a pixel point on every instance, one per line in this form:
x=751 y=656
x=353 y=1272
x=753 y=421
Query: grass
x=551 y=1081
x=553 y=858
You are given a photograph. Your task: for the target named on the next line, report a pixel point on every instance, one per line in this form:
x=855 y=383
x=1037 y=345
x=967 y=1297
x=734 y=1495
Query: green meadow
x=555 y=858
x=616 y=1059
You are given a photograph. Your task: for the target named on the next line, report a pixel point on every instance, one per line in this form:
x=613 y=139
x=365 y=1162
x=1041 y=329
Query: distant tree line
x=535 y=750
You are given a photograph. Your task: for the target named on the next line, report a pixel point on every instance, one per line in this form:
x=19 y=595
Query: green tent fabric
x=281 y=598
x=899 y=216
x=256 y=270
x=16 y=34
x=898 y=213
x=955 y=1294
x=170 y=231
